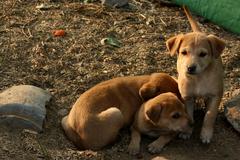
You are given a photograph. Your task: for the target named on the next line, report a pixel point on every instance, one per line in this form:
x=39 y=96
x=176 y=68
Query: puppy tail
x=191 y=20
x=71 y=134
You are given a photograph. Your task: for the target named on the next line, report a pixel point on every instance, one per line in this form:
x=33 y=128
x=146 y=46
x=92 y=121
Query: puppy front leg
x=190 y=104
x=209 y=119
x=157 y=145
x=134 y=146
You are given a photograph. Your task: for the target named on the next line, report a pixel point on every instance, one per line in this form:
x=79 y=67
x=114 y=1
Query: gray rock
x=62 y=112
x=23 y=107
x=115 y=3
x=232 y=112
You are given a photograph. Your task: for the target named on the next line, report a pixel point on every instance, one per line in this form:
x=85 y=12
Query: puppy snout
x=191 y=69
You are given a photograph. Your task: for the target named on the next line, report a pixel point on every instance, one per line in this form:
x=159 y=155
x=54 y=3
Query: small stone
x=232 y=112
x=105 y=71
x=23 y=107
x=115 y=3
x=62 y=112
x=236 y=92
x=29 y=131
x=4 y=148
x=159 y=158
x=44 y=6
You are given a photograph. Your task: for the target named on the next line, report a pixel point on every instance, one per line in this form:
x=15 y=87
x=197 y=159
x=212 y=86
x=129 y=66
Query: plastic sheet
x=225 y=13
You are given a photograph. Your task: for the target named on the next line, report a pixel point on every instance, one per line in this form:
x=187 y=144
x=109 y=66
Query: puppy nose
x=191 y=69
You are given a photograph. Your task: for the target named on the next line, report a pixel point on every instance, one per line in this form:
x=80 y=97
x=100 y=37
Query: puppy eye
x=184 y=53
x=202 y=54
x=176 y=115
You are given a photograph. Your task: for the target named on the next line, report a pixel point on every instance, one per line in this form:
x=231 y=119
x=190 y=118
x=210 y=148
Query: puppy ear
x=217 y=45
x=147 y=91
x=153 y=113
x=174 y=43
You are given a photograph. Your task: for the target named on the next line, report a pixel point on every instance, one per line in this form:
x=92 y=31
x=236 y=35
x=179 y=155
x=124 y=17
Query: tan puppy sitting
x=200 y=70
x=96 y=118
x=163 y=116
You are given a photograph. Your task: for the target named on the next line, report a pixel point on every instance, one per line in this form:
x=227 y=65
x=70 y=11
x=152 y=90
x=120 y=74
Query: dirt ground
x=67 y=66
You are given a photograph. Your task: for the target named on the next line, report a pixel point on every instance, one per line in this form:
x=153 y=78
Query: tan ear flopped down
x=147 y=91
x=217 y=45
x=174 y=43
x=153 y=113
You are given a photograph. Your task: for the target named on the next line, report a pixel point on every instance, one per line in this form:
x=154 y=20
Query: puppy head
x=167 y=112
x=195 y=51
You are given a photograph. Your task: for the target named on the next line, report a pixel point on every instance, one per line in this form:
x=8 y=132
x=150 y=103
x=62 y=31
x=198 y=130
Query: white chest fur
x=201 y=85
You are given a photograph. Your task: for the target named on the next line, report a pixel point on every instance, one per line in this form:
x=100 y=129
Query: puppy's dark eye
x=184 y=53
x=176 y=115
x=202 y=54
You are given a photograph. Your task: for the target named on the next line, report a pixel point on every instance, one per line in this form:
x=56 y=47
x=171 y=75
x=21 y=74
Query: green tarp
x=225 y=13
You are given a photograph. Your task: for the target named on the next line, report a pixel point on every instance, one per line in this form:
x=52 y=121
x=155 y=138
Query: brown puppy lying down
x=163 y=116
x=96 y=118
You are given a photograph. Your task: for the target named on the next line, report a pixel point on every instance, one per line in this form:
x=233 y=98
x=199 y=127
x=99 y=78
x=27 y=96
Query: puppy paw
x=133 y=150
x=184 y=136
x=154 y=148
x=206 y=135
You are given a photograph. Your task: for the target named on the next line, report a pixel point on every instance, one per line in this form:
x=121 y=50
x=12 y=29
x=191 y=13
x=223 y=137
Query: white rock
x=114 y=3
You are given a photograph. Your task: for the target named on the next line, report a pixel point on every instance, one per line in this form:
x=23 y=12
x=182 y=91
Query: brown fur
x=96 y=118
x=200 y=72
x=163 y=117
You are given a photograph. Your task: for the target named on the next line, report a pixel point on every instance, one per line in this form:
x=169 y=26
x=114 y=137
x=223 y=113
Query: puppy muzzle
x=191 y=69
